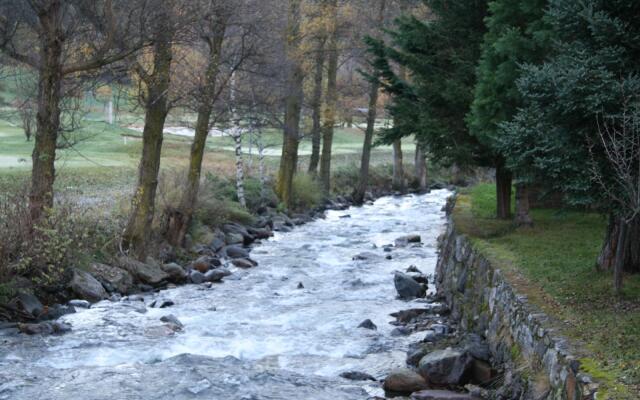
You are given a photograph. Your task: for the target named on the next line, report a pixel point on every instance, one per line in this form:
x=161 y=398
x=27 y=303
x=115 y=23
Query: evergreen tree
x=440 y=56
x=516 y=34
x=591 y=73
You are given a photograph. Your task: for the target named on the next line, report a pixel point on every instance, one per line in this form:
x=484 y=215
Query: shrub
x=66 y=236
x=307 y=192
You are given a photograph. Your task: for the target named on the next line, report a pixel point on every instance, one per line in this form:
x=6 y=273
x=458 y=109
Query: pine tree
x=591 y=73
x=440 y=56
x=516 y=34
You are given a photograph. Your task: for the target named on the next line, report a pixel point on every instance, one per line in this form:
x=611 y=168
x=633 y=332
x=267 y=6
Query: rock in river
x=407 y=287
x=404 y=381
x=151 y=274
x=45 y=328
x=357 y=376
x=404 y=241
x=445 y=367
x=119 y=279
x=368 y=324
x=235 y=252
x=87 y=287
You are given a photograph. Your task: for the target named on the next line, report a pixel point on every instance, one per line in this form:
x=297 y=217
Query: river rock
x=161 y=303
x=415 y=353
x=406 y=316
x=172 y=319
x=79 y=303
x=29 y=304
x=357 y=376
x=407 y=287
x=260 y=233
x=45 y=328
x=413 y=268
x=148 y=273
x=203 y=264
x=87 y=287
x=233 y=238
x=176 y=273
x=235 y=252
x=237 y=229
x=365 y=256
x=244 y=263
x=196 y=277
x=57 y=310
x=441 y=395
x=119 y=279
x=445 y=367
x=404 y=381
x=300 y=285
x=404 y=241
x=368 y=324
x=215 y=275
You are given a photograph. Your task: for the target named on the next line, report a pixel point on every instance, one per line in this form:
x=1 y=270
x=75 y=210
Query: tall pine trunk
x=316 y=104
x=504 y=180
x=331 y=102
x=523 y=216
x=398 y=182
x=421 y=168
x=363 y=181
x=293 y=106
x=138 y=231
x=48 y=117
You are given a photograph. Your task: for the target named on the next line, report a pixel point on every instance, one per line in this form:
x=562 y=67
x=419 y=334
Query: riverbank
x=553 y=265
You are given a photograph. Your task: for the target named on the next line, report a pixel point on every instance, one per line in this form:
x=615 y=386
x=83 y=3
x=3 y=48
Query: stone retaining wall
x=483 y=301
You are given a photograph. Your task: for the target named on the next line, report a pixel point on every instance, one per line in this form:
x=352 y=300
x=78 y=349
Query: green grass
x=554 y=264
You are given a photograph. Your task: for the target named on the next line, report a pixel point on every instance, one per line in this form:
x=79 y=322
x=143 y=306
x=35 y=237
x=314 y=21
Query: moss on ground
x=553 y=263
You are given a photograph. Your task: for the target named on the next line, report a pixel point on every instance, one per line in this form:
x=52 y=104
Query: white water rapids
x=255 y=336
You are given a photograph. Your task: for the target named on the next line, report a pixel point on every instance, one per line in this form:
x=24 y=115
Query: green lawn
x=554 y=264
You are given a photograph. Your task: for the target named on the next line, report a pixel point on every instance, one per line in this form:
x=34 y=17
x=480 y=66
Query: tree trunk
x=503 y=191
x=293 y=106
x=331 y=102
x=398 y=167
x=237 y=138
x=138 y=231
x=609 y=255
x=363 y=182
x=316 y=103
x=179 y=219
x=421 y=168
x=619 y=264
x=523 y=217
x=48 y=117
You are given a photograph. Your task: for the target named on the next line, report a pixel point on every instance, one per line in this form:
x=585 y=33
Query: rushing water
x=255 y=336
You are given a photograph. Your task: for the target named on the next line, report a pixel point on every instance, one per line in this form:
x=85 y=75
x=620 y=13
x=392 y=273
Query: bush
x=306 y=193
x=66 y=236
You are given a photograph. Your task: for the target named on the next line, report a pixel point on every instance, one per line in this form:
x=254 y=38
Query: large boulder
x=404 y=381
x=216 y=275
x=176 y=273
x=407 y=287
x=260 y=233
x=244 y=263
x=441 y=395
x=149 y=273
x=445 y=367
x=86 y=287
x=117 y=278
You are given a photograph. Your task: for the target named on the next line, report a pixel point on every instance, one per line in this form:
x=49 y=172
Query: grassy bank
x=553 y=263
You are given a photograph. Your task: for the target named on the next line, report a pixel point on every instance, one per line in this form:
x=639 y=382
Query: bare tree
x=155 y=84
x=619 y=177
x=61 y=40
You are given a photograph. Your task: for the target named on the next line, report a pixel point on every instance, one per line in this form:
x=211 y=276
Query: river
x=255 y=336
